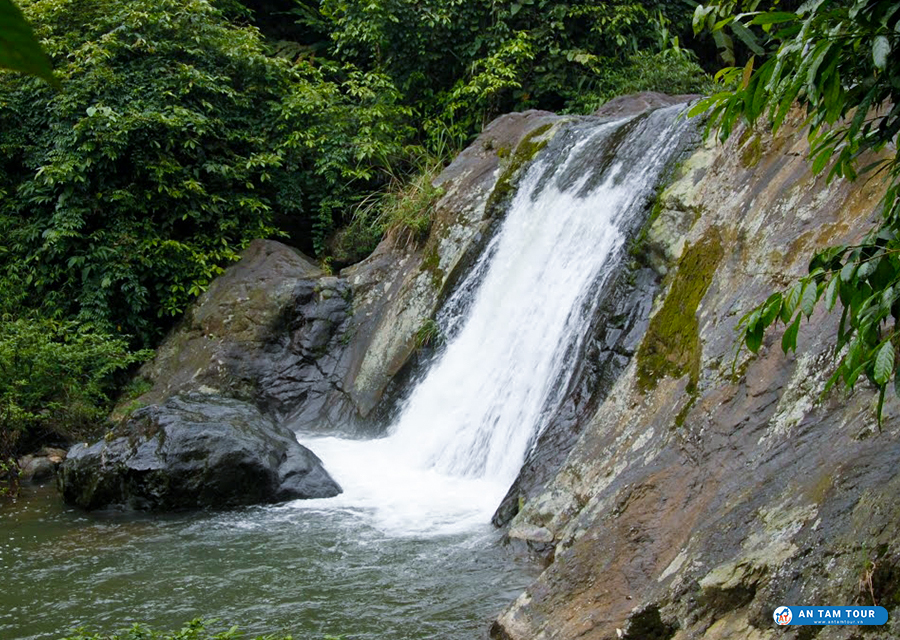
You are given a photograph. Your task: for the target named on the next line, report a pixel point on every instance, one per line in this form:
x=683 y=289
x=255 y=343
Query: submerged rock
x=190 y=452
x=40 y=466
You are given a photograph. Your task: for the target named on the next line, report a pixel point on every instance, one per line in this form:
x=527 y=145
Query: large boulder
x=191 y=452
x=714 y=484
x=272 y=330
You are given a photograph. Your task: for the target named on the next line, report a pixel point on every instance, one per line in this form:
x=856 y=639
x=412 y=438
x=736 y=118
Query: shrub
x=56 y=378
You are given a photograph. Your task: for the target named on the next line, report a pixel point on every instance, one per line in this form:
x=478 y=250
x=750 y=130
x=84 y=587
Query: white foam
x=466 y=428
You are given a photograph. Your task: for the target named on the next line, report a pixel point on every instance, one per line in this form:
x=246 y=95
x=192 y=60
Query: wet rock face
x=271 y=330
x=620 y=323
x=712 y=486
x=617 y=328
x=192 y=452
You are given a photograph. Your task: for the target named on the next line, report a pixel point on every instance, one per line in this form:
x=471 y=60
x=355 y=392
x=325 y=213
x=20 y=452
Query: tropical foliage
x=56 y=380
x=175 y=142
x=837 y=59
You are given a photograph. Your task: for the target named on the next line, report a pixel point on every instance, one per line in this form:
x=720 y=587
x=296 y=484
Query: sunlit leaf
x=881 y=49
x=884 y=363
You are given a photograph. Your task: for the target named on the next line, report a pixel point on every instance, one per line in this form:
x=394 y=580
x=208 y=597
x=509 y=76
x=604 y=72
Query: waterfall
x=513 y=326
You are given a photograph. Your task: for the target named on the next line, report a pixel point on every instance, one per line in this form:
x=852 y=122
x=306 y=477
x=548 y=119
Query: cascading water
x=374 y=562
x=465 y=429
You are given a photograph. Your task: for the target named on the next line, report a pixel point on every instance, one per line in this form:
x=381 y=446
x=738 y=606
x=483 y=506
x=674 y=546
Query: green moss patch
x=431 y=262
x=752 y=153
x=671 y=346
x=525 y=152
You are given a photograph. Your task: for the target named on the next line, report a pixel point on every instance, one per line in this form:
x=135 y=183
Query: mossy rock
x=671 y=346
x=525 y=152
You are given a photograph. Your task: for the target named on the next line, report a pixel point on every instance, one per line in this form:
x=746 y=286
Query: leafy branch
x=830 y=58
x=19 y=48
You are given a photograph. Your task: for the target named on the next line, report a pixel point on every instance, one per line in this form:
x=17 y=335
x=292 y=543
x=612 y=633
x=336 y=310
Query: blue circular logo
x=782 y=615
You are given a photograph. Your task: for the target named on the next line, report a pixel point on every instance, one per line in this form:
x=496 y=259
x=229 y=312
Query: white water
x=465 y=430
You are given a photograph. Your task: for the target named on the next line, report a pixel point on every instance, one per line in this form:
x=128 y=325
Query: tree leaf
x=881 y=49
x=789 y=339
x=753 y=337
x=831 y=293
x=726 y=47
x=748 y=71
x=770 y=309
x=19 y=49
x=809 y=299
x=884 y=363
x=867 y=268
x=746 y=36
x=773 y=17
x=847 y=271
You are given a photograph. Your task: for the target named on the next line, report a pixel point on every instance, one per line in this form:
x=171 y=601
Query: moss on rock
x=525 y=152
x=431 y=263
x=671 y=346
x=752 y=153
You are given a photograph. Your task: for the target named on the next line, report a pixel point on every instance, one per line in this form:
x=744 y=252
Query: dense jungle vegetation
x=174 y=133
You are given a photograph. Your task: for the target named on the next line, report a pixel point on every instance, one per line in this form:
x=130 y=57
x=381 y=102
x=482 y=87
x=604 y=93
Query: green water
x=309 y=572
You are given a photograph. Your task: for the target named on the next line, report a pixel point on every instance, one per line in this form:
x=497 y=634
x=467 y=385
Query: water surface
x=296 y=568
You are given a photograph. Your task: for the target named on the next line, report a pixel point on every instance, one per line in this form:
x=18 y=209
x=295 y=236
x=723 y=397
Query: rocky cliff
x=714 y=485
x=276 y=344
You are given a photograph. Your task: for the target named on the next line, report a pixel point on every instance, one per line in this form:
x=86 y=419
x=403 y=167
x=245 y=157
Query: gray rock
x=691 y=506
x=272 y=330
x=41 y=466
x=636 y=103
x=191 y=452
x=36 y=469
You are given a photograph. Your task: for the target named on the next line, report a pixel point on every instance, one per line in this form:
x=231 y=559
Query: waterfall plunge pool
x=293 y=568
